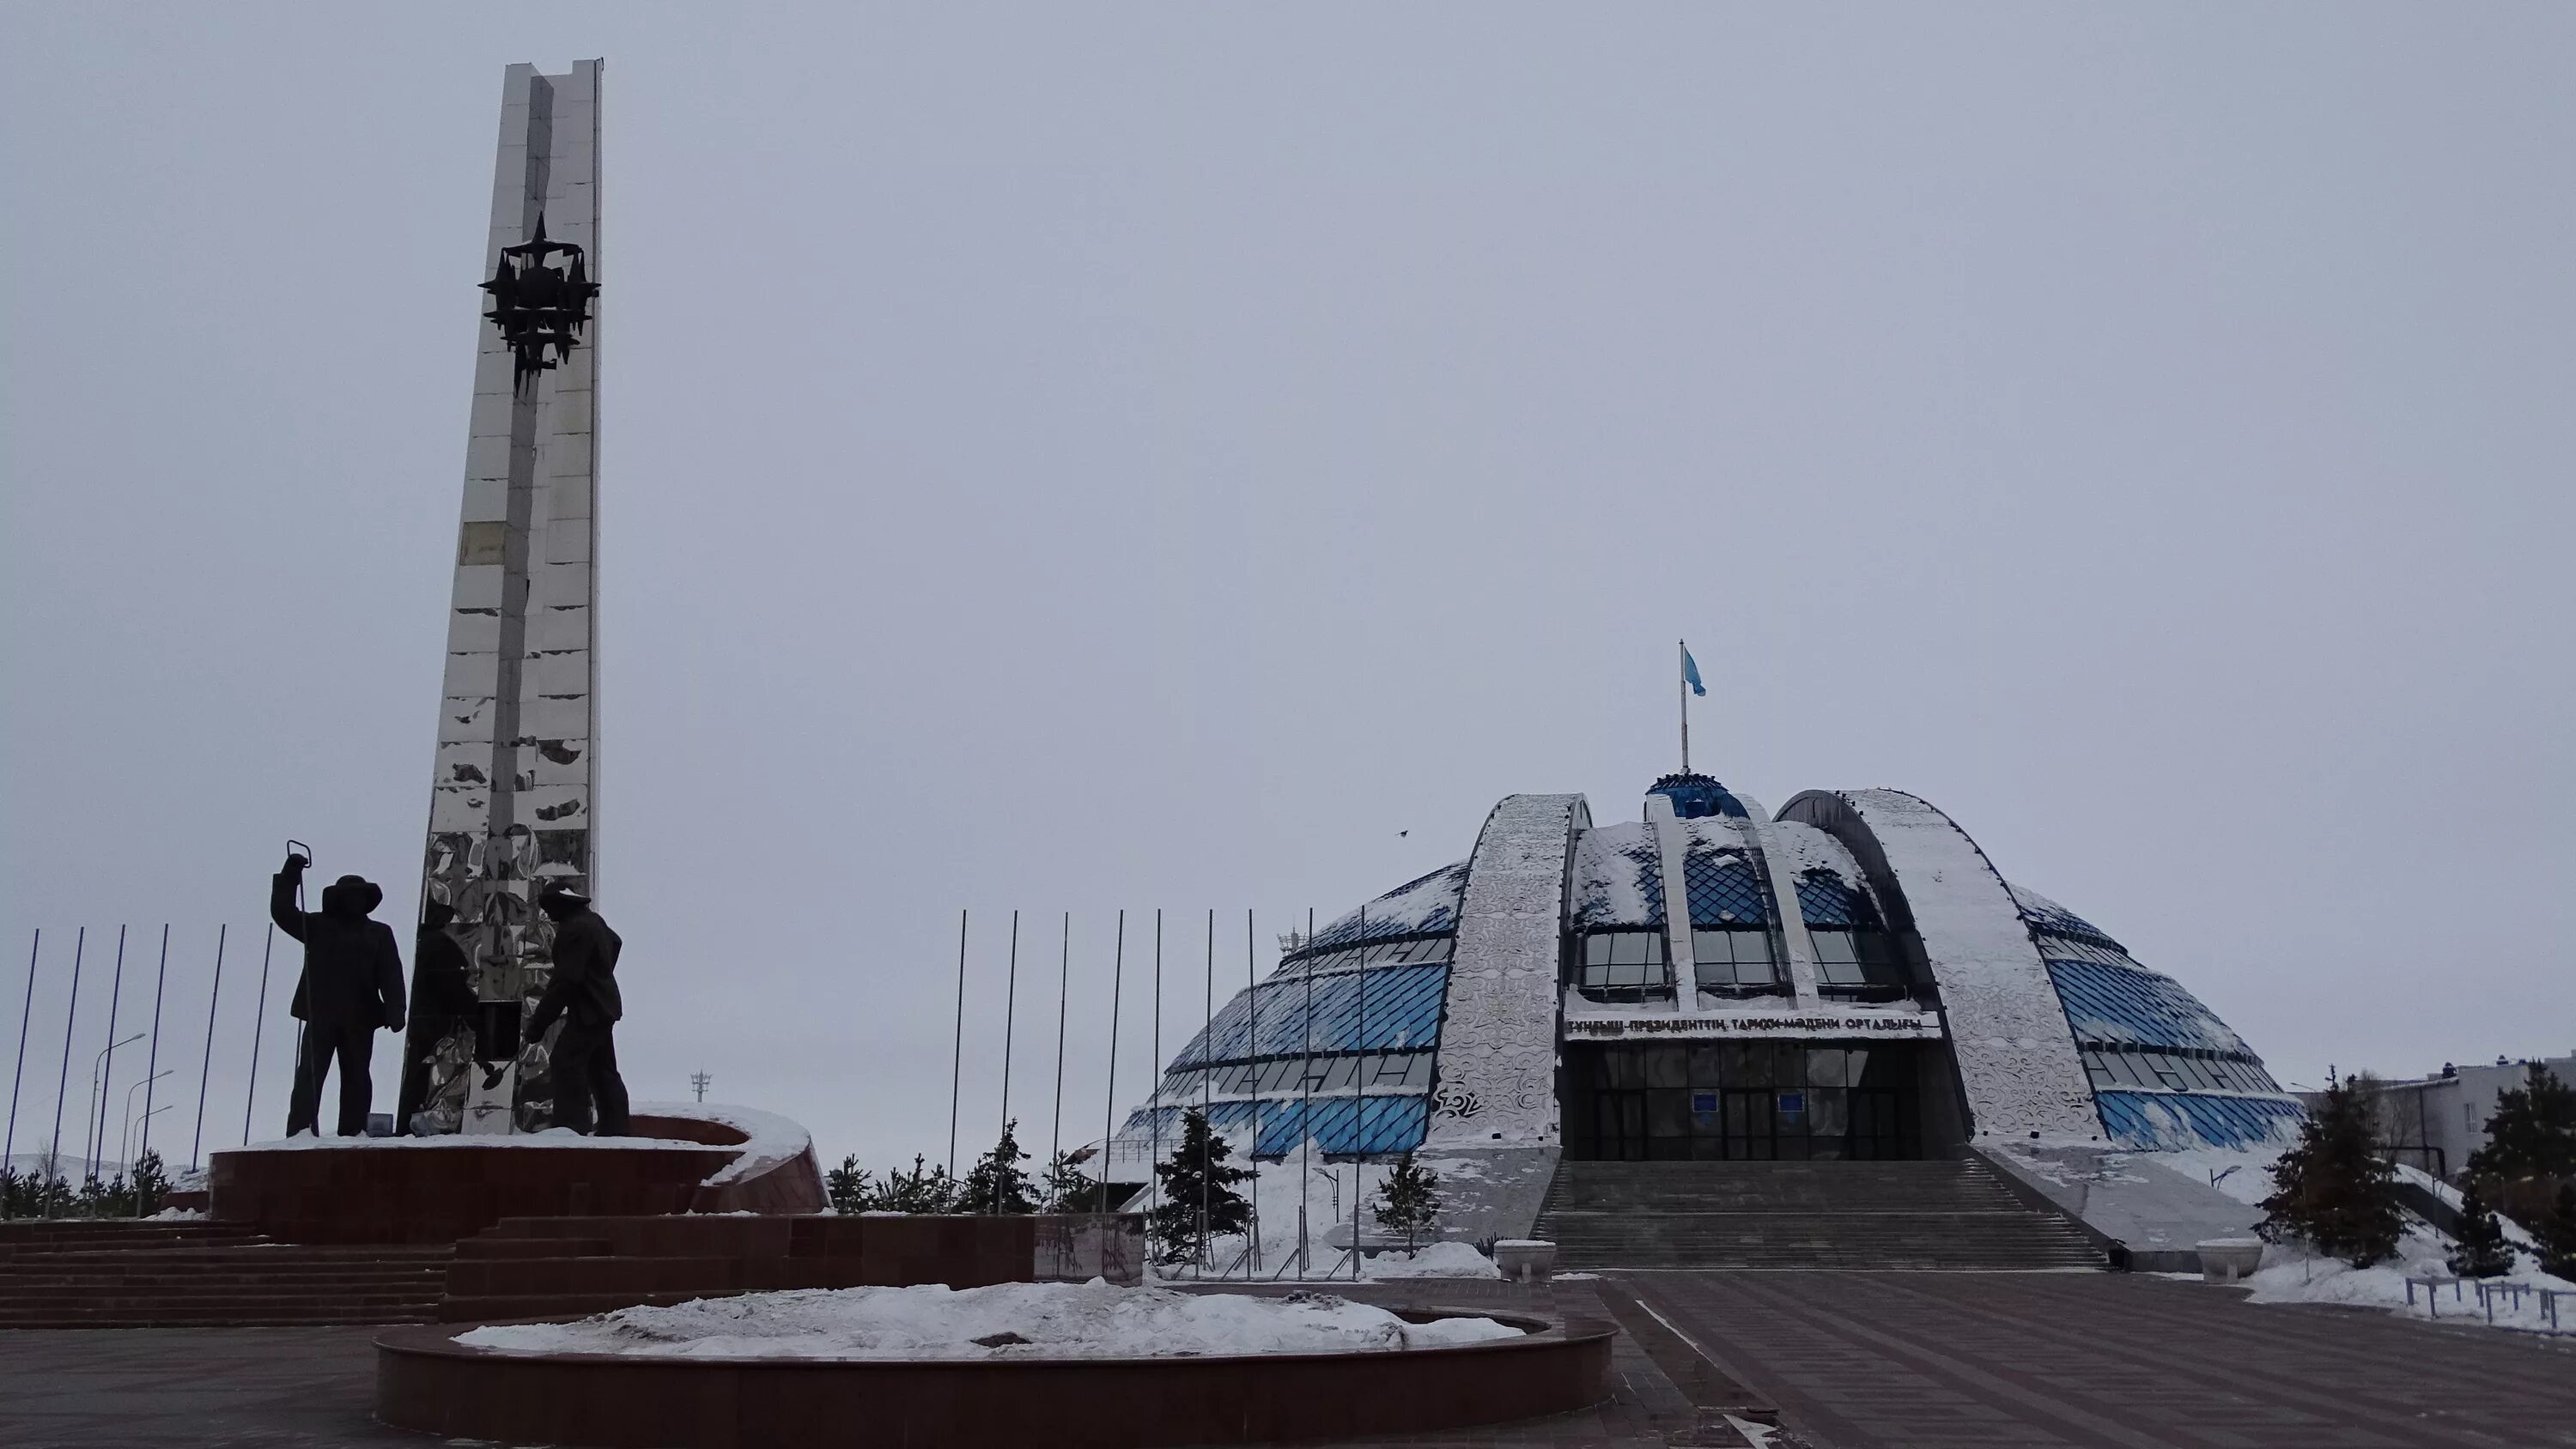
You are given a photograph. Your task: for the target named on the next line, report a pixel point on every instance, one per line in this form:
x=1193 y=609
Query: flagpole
x=1681 y=688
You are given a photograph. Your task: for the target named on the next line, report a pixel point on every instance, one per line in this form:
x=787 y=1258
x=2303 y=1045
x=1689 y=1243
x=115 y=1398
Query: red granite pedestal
x=440 y=1190
x=427 y=1381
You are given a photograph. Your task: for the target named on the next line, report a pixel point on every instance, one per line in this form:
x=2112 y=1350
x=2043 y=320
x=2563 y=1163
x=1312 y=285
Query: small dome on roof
x=1696 y=795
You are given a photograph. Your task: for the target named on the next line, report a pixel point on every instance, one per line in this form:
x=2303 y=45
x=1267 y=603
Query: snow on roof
x=1425 y=904
x=1618 y=876
x=2047 y=915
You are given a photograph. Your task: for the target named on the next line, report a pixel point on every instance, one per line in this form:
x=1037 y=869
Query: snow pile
x=2242 y=1173
x=2293 y=1275
x=773 y=1139
x=551 y=1137
x=1434 y=1260
x=1004 y=1321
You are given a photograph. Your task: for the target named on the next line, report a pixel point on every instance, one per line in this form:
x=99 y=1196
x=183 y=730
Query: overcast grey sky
x=1084 y=457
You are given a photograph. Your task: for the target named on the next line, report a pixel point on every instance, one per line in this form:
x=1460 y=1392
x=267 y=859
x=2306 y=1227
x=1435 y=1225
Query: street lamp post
x=97 y=1120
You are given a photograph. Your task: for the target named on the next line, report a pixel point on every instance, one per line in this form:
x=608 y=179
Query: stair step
x=1930 y=1214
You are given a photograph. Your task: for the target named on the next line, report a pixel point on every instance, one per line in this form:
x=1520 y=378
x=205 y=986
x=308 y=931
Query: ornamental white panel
x=1498 y=1039
x=2016 y=1056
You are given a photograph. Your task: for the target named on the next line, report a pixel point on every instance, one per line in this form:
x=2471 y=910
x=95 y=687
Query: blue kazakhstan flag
x=1690 y=672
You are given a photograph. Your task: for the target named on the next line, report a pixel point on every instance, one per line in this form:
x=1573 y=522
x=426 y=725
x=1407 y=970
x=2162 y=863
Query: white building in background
x=2436 y=1122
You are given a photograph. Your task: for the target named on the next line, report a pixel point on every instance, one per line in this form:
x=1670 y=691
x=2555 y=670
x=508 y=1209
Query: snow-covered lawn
x=1433 y=1260
x=2292 y=1274
x=1323 y=1193
x=1007 y=1320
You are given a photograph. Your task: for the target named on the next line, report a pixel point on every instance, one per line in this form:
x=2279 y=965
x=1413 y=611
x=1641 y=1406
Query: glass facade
x=1741 y=1100
x=2172 y=1120
x=2166 y=1072
x=1339 y=1042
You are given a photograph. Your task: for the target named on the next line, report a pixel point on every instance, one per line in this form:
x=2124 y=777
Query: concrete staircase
x=1951 y=1214
x=146 y=1274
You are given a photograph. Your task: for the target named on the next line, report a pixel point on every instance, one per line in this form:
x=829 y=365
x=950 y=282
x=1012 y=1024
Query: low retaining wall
x=441 y=1189
x=427 y=1382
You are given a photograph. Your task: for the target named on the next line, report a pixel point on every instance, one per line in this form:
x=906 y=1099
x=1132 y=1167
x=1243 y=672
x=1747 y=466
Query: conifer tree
x=922 y=1190
x=2480 y=1250
x=997 y=1183
x=849 y=1186
x=1199 y=1202
x=1066 y=1188
x=2558 y=1234
x=1408 y=1201
x=2532 y=1132
x=2332 y=1189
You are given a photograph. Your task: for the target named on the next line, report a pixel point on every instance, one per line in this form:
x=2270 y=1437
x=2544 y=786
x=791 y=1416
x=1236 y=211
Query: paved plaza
x=1849 y=1361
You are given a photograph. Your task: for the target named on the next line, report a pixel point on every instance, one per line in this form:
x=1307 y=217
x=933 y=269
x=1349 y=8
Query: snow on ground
x=2293 y=1274
x=2243 y=1173
x=1326 y=1191
x=1433 y=1260
x=1045 y=1320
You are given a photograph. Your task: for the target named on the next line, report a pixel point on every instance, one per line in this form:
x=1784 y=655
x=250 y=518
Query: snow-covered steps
x=1886 y=1215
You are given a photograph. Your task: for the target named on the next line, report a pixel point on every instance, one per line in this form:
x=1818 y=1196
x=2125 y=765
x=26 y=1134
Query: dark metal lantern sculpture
x=537 y=305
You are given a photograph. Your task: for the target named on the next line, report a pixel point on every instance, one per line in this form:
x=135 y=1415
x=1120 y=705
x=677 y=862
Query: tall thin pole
x=62 y=1083
x=1154 y=1099
x=107 y=1060
x=1681 y=687
x=1010 y=1006
x=1359 y=1103
x=152 y=1059
x=1063 y=980
x=957 y=1048
x=258 y=1018
x=9 y=1152
x=1109 y=1112
x=206 y=1064
x=1207 y=1089
x=1306 y=1107
x=1252 y=1049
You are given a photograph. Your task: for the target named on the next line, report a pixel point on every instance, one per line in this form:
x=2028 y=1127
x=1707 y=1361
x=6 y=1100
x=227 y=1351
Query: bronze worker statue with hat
x=352 y=985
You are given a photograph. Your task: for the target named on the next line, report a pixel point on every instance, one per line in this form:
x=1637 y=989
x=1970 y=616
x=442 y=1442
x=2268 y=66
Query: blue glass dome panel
x=1400 y=1009
x=2135 y=1006
x=1697 y=796
x=1723 y=890
x=2155 y=1121
x=1426 y=905
x=1827 y=900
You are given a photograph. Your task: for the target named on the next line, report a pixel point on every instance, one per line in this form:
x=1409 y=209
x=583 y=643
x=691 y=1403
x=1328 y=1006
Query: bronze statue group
x=352 y=987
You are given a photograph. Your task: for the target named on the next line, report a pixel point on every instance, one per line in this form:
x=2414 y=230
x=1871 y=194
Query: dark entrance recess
x=1749 y=1101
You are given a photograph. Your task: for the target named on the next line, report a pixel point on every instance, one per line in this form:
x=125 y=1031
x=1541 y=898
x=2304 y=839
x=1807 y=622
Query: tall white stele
x=512 y=801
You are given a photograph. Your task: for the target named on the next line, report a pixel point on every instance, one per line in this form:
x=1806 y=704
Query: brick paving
x=1851 y=1360
x=2037 y=1360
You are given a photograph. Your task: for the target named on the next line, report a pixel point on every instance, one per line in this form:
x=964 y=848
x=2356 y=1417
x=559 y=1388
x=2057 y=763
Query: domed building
x=1850 y=979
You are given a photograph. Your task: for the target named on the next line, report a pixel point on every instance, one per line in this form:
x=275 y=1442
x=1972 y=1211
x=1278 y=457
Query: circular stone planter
x=427 y=1381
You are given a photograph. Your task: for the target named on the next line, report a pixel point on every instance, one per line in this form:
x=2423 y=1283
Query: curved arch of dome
x=1497 y=1065
x=2018 y=1066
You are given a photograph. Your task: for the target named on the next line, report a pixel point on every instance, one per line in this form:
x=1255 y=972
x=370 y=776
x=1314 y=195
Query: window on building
x=1737 y=962
x=1624 y=966
x=1857 y=961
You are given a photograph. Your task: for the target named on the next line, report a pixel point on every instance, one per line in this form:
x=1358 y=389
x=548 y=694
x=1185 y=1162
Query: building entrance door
x=1877 y=1132
x=1752 y=1126
x=1750 y=1101
x=1619 y=1125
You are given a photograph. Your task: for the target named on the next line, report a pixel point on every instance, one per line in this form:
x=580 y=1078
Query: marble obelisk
x=513 y=802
